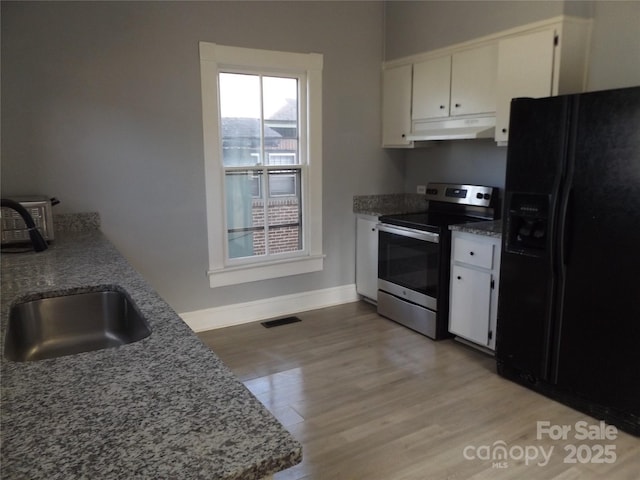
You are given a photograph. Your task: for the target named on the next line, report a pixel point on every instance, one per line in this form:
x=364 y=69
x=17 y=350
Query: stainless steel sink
x=75 y=323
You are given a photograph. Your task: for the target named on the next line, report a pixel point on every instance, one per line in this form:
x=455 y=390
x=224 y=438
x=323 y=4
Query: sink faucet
x=39 y=243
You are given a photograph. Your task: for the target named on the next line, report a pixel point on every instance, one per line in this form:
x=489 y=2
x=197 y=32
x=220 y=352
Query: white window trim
x=214 y=57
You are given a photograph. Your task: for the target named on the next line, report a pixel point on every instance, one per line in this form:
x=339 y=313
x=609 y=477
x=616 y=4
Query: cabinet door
x=396 y=106
x=431 y=88
x=525 y=69
x=473 y=81
x=367 y=258
x=470 y=304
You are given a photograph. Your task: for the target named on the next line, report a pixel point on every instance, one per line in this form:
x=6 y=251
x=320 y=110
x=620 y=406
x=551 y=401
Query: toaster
x=12 y=226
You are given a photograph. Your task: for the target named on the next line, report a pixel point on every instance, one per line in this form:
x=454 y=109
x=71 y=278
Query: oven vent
x=453 y=129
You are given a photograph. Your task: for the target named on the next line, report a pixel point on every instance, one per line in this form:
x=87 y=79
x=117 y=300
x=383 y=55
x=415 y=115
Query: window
x=263 y=162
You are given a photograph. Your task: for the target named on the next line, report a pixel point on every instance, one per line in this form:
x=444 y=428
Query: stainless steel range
x=414 y=251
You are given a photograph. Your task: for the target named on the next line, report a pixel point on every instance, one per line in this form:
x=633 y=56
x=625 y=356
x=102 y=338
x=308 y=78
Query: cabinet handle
x=471 y=253
x=459 y=277
x=458 y=105
x=441 y=107
x=373 y=229
x=403 y=135
x=504 y=130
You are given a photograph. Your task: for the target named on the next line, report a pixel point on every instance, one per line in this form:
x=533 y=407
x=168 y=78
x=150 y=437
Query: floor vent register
x=280 y=321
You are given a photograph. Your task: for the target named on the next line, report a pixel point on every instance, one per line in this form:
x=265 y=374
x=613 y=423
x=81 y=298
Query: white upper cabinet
x=396 y=106
x=431 y=88
x=473 y=81
x=546 y=61
x=525 y=69
x=471 y=84
x=463 y=83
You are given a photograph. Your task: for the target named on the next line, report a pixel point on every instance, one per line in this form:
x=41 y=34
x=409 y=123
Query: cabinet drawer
x=472 y=252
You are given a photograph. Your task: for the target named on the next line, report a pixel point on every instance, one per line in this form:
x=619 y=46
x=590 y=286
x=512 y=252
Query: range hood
x=453 y=129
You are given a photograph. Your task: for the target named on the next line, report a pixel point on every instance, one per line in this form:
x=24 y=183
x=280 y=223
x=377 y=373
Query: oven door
x=408 y=264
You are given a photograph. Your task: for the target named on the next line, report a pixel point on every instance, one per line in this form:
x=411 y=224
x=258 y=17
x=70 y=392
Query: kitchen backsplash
x=76 y=222
x=386 y=204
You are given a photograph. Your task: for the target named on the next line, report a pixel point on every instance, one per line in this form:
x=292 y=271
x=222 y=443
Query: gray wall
x=101 y=108
x=477 y=162
x=413 y=27
x=615 y=45
x=419 y=26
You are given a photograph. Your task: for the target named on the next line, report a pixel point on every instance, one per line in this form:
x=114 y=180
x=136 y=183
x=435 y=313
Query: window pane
x=281 y=120
x=283 y=183
x=240 y=119
x=285 y=213
x=282 y=159
x=245 y=213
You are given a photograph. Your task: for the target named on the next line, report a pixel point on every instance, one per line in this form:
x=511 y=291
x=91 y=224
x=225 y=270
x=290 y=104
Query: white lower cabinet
x=475 y=269
x=367 y=256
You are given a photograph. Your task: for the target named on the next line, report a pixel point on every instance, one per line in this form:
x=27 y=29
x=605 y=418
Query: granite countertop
x=490 y=228
x=163 y=407
x=388 y=204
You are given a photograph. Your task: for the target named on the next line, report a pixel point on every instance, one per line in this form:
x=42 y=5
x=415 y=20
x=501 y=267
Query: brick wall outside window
x=281 y=239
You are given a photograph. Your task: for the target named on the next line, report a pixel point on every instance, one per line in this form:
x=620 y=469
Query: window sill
x=265 y=271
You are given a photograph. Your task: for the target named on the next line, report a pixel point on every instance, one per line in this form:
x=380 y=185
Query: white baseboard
x=239 y=313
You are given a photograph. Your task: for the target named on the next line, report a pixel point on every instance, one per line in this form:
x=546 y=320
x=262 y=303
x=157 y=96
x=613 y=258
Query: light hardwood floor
x=372 y=400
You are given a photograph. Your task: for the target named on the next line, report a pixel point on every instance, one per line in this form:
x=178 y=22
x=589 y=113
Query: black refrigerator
x=569 y=300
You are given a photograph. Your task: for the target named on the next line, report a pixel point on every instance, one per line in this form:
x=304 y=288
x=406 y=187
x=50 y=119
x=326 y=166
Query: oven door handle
x=409 y=232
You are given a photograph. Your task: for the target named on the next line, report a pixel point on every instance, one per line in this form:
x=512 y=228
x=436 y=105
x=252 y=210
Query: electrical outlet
x=422 y=189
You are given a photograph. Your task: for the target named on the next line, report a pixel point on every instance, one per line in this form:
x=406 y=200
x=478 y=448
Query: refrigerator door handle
x=564 y=240
x=559 y=245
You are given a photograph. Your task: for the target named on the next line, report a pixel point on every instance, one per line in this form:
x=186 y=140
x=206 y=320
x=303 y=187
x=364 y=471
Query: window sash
x=213 y=59
x=265 y=225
